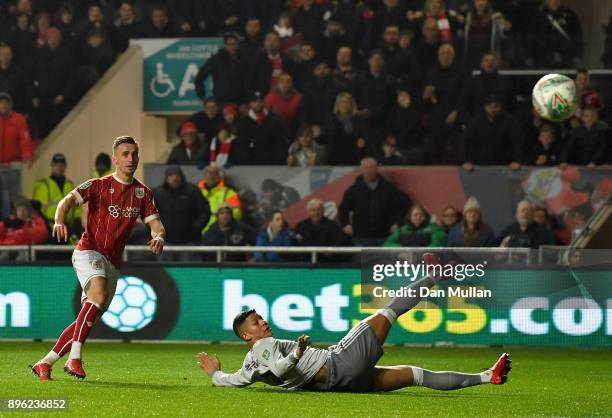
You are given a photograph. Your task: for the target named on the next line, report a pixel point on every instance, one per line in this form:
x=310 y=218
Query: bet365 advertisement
x=199 y=303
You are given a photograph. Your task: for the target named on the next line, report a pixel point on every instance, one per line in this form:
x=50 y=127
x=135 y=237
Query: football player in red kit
x=114 y=204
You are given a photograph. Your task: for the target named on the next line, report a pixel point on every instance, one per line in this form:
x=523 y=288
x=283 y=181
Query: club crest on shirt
x=139 y=192
x=266 y=354
x=111 y=190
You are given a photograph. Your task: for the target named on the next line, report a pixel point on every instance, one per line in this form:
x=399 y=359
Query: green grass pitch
x=164 y=380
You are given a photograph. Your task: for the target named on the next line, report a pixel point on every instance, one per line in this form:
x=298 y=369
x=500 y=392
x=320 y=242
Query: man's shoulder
x=89 y=182
x=304 y=224
x=180 y=147
x=214 y=230
x=324 y=223
x=241 y=226
x=513 y=227
x=42 y=181
x=509 y=118
x=386 y=185
x=192 y=188
x=358 y=183
x=159 y=190
x=537 y=228
x=18 y=118
x=263 y=345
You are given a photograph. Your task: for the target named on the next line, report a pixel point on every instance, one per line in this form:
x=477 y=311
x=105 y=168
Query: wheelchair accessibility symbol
x=161 y=84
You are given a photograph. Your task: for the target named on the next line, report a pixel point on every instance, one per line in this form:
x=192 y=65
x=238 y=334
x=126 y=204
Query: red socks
x=62 y=346
x=84 y=322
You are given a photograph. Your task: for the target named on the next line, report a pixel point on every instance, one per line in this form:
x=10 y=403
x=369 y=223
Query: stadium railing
x=514 y=255
x=523 y=80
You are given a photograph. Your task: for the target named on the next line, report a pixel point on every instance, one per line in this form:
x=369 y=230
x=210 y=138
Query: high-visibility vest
x=48 y=193
x=217 y=196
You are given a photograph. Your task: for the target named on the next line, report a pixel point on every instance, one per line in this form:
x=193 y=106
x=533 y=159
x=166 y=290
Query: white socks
x=75 y=350
x=50 y=358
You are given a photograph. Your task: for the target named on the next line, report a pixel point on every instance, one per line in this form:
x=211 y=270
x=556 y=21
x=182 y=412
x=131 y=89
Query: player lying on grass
x=349 y=365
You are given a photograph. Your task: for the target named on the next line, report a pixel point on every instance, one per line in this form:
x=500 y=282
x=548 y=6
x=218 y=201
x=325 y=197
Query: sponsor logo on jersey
x=139 y=192
x=96 y=264
x=252 y=365
x=85 y=185
x=130 y=212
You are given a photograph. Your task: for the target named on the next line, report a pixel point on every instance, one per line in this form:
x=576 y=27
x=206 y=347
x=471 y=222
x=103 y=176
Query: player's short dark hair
x=239 y=320
x=123 y=140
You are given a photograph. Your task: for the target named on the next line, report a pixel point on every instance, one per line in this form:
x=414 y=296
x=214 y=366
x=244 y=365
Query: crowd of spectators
x=307 y=83
x=390 y=79
x=373 y=212
x=329 y=83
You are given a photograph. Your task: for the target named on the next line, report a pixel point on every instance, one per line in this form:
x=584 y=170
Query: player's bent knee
x=97 y=291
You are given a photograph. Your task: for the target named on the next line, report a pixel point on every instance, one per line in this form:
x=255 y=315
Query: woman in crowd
x=472 y=231
x=484 y=31
x=277 y=234
x=450 y=217
x=345 y=133
x=418 y=231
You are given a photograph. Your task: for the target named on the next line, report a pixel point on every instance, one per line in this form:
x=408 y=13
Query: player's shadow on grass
x=449 y=395
x=453 y=394
x=133 y=385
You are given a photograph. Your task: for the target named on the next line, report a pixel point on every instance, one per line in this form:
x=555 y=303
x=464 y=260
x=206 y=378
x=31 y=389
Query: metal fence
x=515 y=256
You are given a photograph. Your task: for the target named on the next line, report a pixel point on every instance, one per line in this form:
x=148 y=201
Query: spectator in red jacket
x=285 y=101
x=25 y=227
x=15 y=140
x=587 y=96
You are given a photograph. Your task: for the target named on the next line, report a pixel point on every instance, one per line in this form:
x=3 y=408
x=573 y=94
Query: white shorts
x=88 y=264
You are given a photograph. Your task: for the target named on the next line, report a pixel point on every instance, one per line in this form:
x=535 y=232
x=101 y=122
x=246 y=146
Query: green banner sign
x=169 y=70
x=199 y=303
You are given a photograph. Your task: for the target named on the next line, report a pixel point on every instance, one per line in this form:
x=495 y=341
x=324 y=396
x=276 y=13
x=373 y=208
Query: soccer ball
x=554 y=97
x=133 y=306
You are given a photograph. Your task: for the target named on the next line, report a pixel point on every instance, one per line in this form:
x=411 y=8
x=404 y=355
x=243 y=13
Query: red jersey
x=113 y=209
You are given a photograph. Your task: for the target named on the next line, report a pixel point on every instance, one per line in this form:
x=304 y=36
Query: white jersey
x=273 y=362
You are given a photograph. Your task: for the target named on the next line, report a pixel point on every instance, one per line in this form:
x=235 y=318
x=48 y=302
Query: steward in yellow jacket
x=50 y=190
x=214 y=190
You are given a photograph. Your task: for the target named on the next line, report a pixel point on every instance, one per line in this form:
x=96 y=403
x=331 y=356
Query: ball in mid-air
x=554 y=97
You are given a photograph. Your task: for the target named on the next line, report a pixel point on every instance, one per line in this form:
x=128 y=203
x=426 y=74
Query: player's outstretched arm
x=208 y=364
x=60 y=230
x=212 y=367
x=158 y=235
